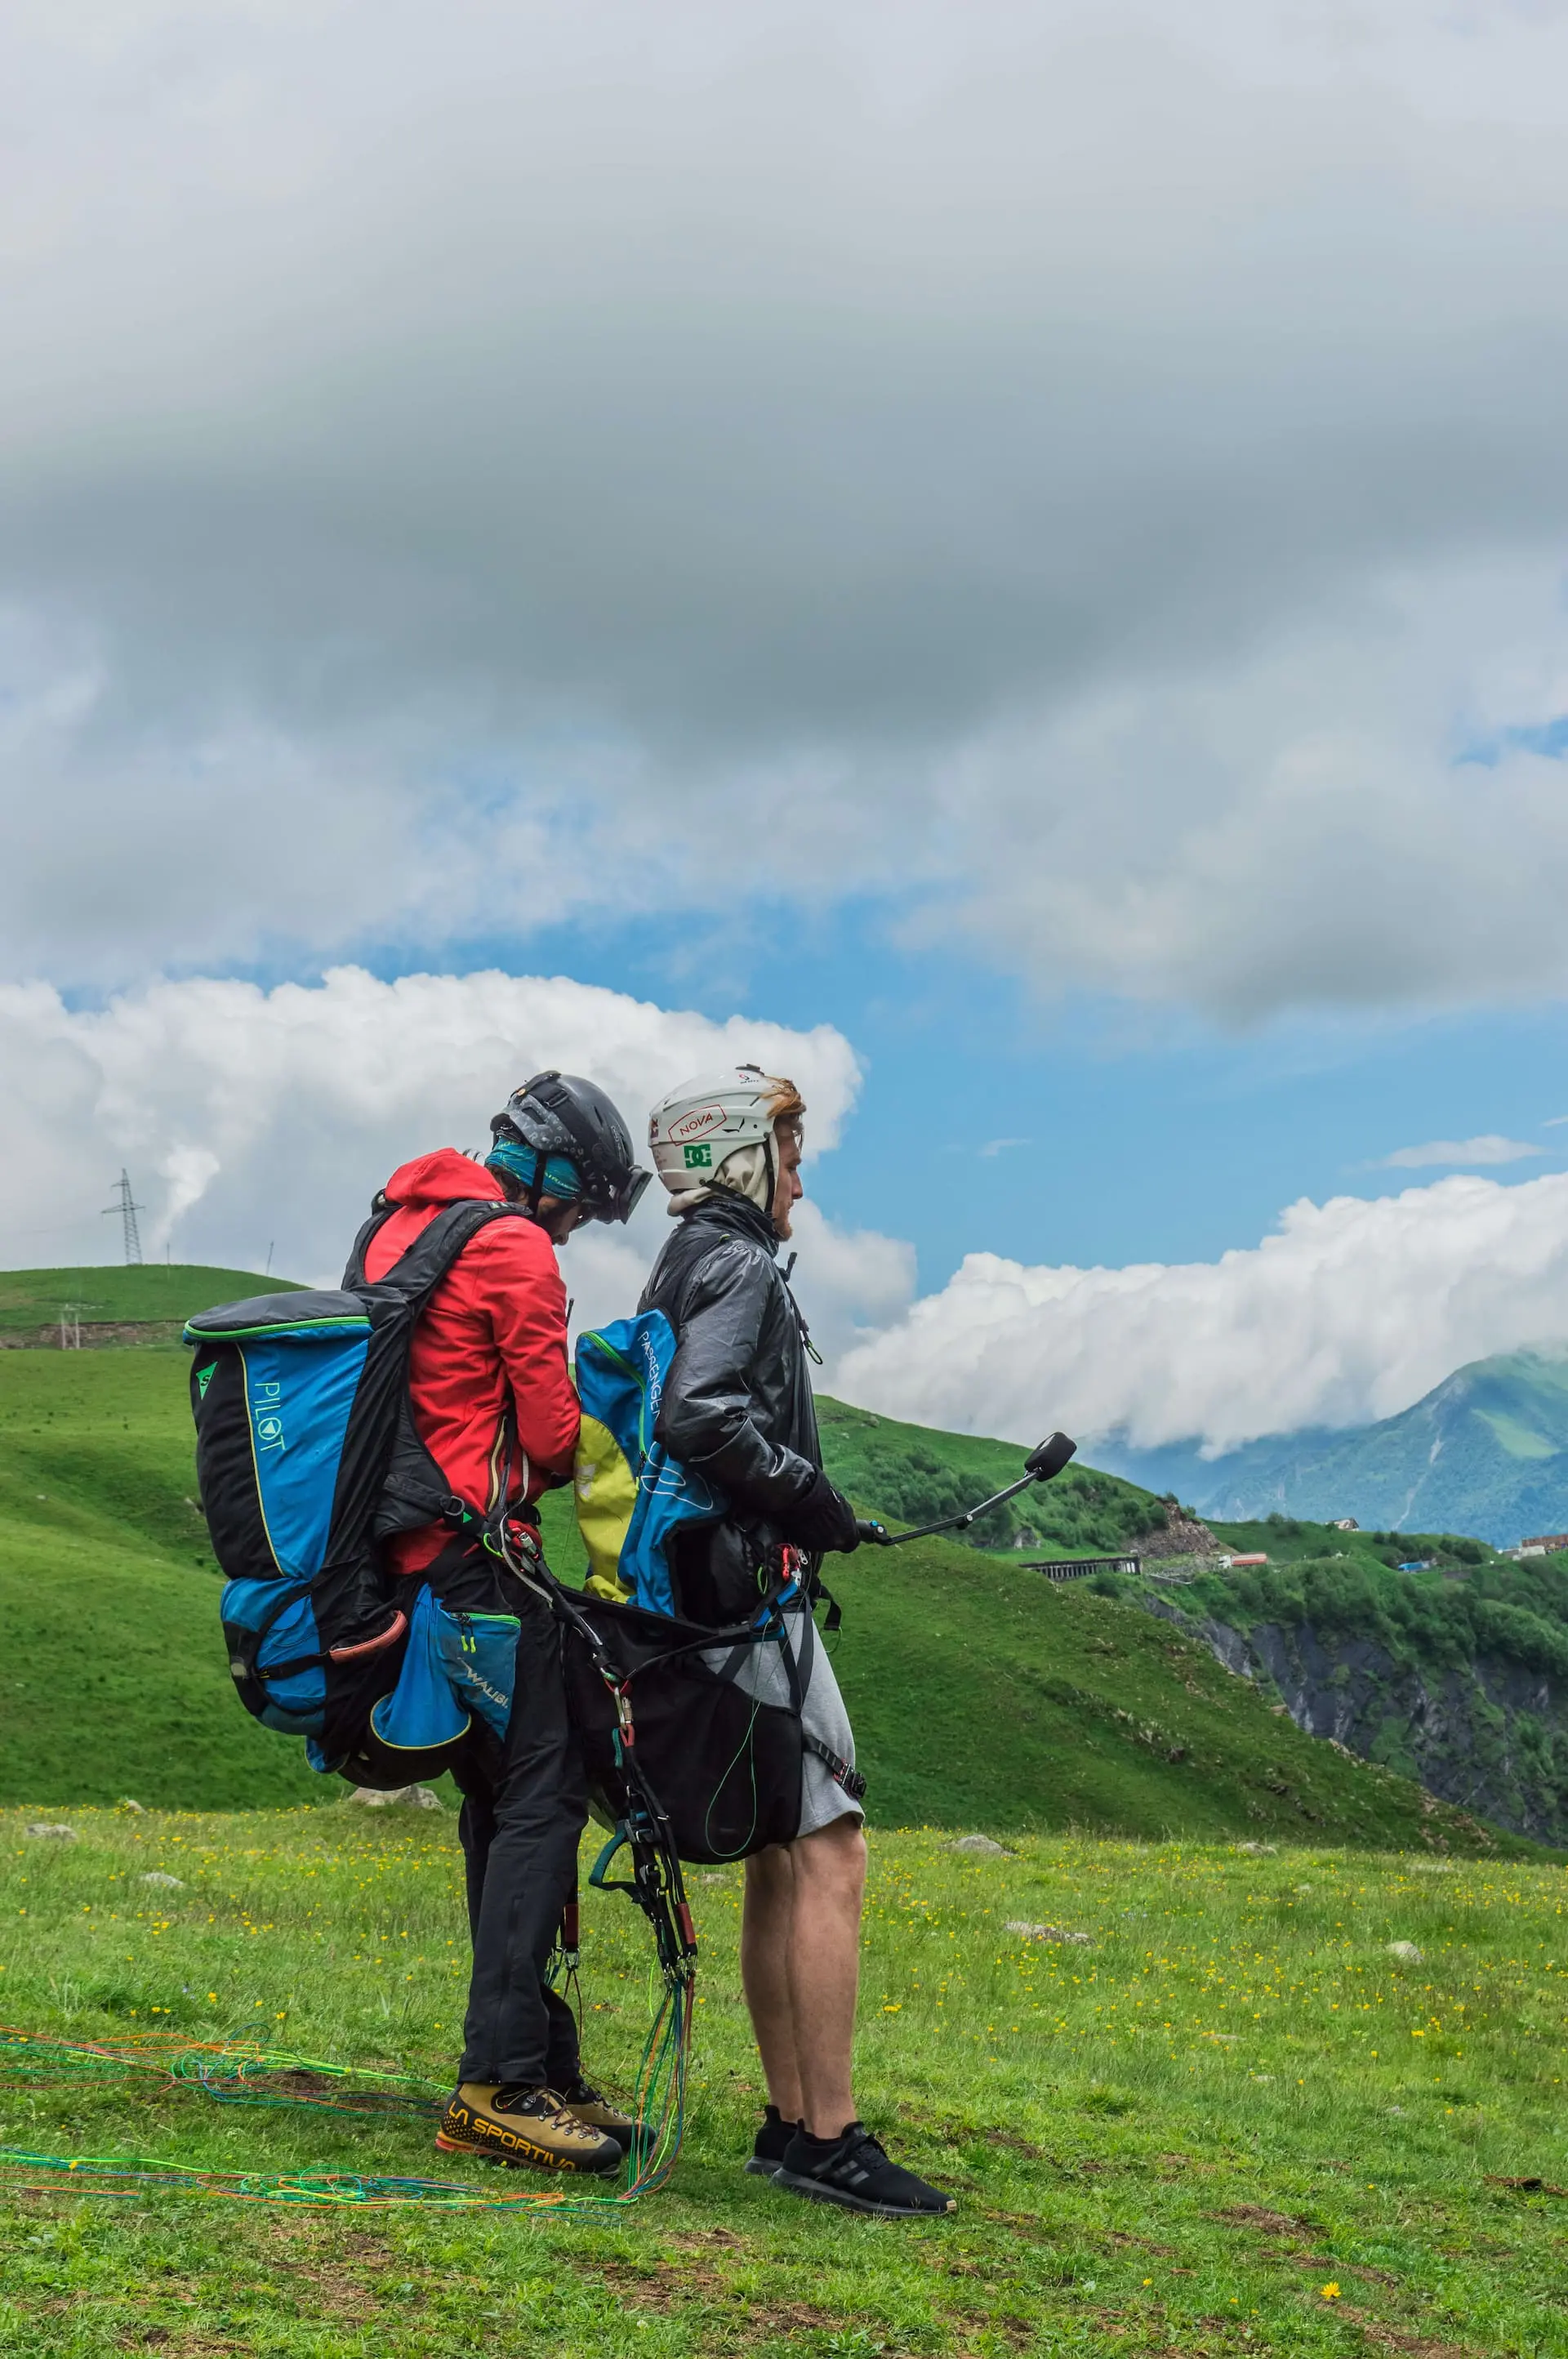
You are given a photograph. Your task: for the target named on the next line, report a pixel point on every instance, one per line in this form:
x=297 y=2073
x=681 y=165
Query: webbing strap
x=837 y=1768
x=427 y=1256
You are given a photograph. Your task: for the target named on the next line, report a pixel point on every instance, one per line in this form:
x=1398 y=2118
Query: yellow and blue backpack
x=631 y=1496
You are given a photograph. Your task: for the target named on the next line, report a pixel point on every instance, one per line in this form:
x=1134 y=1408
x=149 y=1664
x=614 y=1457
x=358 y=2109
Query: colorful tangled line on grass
x=245 y=2072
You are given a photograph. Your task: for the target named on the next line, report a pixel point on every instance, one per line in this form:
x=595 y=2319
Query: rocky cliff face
x=1487 y=1735
x=1180 y=1535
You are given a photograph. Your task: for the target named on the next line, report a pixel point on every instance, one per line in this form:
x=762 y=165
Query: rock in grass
x=126 y=1803
x=979 y=1847
x=41 y=1827
x=409 y=1797
x=1256 y=1849
x=1045 y=1932
x=1407 y=1951
x=157 y=1875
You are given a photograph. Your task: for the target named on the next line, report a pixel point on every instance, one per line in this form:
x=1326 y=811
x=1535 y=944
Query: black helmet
x=561 y=1113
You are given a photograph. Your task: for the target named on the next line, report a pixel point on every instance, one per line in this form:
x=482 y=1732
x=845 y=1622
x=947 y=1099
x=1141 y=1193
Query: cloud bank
x=1350 y=1312
x=251 y=1119
x=1093 y=474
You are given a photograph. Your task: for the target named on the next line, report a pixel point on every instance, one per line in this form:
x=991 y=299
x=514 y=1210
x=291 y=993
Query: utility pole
x=127 y=1208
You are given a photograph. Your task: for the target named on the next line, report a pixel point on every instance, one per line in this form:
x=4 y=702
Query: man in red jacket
x=492 y=1401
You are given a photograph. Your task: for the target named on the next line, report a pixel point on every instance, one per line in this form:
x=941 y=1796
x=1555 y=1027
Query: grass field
x=978 y=1691
x=1227 y=2121
x=112 y=1678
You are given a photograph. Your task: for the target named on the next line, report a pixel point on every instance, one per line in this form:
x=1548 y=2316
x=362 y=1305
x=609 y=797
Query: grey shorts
x=761 y=1672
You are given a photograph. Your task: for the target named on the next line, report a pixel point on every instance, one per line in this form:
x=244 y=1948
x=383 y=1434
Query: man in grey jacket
x=737 y=1405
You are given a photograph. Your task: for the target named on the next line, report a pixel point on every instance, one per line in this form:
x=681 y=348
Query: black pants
x=525 y=1808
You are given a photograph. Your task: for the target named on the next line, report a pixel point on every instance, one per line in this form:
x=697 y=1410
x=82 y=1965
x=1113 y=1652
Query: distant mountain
x=1487 y=1453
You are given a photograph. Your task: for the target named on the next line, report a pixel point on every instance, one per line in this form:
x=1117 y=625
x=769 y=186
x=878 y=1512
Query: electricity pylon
x=127 y=1208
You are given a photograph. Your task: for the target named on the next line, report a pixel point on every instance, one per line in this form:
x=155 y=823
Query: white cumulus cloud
x=251 y=1119
x=1352 y=1311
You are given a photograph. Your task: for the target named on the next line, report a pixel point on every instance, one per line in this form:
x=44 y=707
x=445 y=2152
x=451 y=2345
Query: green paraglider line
x=244 y=2071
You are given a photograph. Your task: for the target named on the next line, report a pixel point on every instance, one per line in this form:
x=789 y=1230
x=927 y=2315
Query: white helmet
x=698 y=1127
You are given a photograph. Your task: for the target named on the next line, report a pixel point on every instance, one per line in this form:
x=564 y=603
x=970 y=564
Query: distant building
x=1248 y=1559
x=1073 y=1568
x=1548 y=1543
x=1345 y=1524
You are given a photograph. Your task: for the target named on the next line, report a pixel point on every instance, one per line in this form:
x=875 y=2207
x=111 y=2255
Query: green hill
x=113 y=1674
x=915 y=1474
x=155 y=1292
x=1486 y=1452
x=980 y=1693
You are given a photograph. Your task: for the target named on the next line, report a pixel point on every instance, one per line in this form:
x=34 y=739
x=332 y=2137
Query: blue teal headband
x=520 y=1162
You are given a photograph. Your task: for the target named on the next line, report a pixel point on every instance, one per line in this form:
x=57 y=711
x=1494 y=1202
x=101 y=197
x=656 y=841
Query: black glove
x=821 y=1518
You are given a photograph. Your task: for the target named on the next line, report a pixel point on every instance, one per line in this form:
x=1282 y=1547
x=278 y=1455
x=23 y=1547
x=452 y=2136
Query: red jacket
x=494 y=1330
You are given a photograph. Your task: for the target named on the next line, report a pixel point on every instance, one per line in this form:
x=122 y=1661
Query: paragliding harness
x=641 y=1823
x=729 y=1759
x=662 y=1710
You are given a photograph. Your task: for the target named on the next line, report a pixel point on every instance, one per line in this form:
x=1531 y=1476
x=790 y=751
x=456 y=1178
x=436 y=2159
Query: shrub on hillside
x=1417 y=1623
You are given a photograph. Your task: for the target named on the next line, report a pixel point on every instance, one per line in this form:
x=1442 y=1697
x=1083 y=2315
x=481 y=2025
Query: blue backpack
x=631 y=1496
x=307 y=1459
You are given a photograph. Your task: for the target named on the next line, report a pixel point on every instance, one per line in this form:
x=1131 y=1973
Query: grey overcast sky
x=1103 y=459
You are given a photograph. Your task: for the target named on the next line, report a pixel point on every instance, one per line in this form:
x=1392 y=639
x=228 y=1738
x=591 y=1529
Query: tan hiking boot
x=530 y=2127
x=586 y=2104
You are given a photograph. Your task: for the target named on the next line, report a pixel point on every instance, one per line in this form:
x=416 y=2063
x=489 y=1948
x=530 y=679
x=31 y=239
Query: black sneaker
x=772 y=2139
x=853 y=2169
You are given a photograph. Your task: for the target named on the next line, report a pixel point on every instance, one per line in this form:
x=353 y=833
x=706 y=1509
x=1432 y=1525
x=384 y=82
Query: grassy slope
x=111 y=1667
x=977 y=1692
x=982 y=1695
x=32 y=1298
x=1229 y=2123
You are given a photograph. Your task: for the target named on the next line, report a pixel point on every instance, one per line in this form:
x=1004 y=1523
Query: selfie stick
x=1039 y=1467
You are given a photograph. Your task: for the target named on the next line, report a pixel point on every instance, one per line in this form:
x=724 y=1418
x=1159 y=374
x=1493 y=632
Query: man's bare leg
x=800 y=1960
x=765 y=1922
x=825 y=1970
